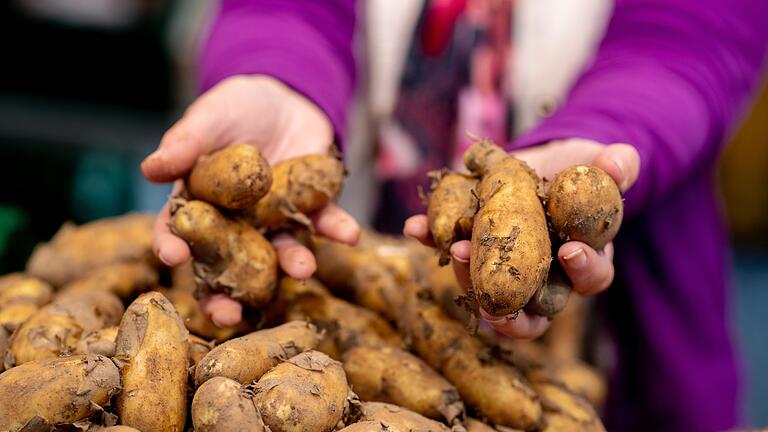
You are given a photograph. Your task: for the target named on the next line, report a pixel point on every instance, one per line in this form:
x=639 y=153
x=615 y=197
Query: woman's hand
x=263 y=112
x=590 y=271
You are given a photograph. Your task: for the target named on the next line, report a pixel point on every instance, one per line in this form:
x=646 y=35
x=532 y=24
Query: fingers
x=336 y=224
x=524 y=326
x=417 y=227
x=621 y=162
x=589 y=271
x=295 y=259
x=460 y=262
x=170 y=249
x=222 y=310
x=195 y=134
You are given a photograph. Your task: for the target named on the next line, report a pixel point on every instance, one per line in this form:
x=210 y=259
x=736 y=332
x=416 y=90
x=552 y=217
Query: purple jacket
x=671 y=77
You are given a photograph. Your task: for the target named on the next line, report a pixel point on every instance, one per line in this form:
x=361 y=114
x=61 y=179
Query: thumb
x=198 y=132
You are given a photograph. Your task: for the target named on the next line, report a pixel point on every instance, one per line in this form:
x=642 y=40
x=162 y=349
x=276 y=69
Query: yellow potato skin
x=99 y=342
x=451 y=210
x=247 y=358
x=398 y=418
x=307 y=393
x=3 y=346
x=235 y=177
x=388 y=374
x=76 y=250
x=124 y=279
x=18 y=287
x=230 y=255
x=224 y=405
x=510 y=254
x=14 y=314
x=300 y=186
x=56 y=391
x=152 y=344
x=552 y=297
x=55 y=329
x=198 y=348
x=584 y=204
x=566 y=411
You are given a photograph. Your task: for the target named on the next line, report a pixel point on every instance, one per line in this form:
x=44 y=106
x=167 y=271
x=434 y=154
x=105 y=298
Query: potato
x=13 y=314
x=346 y=325
x=119 y=428
x=565 y=411
x=448 y=294
x=451 y=208
x=377 y=289
x=55 y=329
x=3 y=347
x=510 y=254
x=584 y=204
x=230 y=256
x=40 y=394
x=387 y=374
x=74 y=251
x=198 y=348
x=152 y=344
x=493 y=388
x=99 y=342
x=552 y=297
x=577 y=376
x=20 y=288
x=124 y=279
x=398 y=418
x=370 y=426
x=247 y=358
x=474 y=425
x=305 y=393
x=234 y=177
x=300 y=186
x=222 y=404
x=565 y=337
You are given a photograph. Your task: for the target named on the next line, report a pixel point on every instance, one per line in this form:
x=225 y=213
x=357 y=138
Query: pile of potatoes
x=97 y=335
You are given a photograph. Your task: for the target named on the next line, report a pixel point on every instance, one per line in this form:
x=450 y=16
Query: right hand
x=261 y=111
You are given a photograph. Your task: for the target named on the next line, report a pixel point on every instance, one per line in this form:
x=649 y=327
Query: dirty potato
x=451 y=209
x=224 y=405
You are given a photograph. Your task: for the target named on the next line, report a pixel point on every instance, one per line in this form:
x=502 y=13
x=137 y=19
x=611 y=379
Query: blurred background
x=88 y=87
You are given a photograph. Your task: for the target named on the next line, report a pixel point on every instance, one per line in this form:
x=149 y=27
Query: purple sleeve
x=307 y=44
x=670 y=77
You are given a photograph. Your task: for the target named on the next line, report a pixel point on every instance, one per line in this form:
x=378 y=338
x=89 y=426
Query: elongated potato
x=510 y=254
x=300 y=186
x=584 y=204
x=370 y=426
x=566 y=411
x=307 y=393
x=377 y=289
x=230 y=256
x=398 y=418
x=124 y=279
x=40 y=394
x=387 y=374
x=235 y=177
x=346 y=325
x=99 y=342
x=451 y=210
x=18 y=287
x=552 y=297
x=495 y=389
x=224 y=405
x=74 y=251
x=55 y=329
x=248 y=357
x=152 y=344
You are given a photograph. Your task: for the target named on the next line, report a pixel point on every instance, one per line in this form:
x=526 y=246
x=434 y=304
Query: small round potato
x=223 y=405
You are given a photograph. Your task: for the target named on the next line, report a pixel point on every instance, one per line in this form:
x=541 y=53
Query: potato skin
x=247 y=358
x=398 y=418
x=152 y=344
x=3 y=347
x=451 y=210
x=230 y=255
x=388 y=374
x=306 y=393
x=14 y=314
x=299 y=186
x=566 y=411
x=56 y=328
x=18 y=287
x=346 y=325
x=496 y=390
x=510 y=254
x=198 y=348
x=56 y=391
x=552 y=297
x=223 y=405
x=234 y=177
x=99 y=342
x=584 y=204
x=124 y=279
x=74 y=251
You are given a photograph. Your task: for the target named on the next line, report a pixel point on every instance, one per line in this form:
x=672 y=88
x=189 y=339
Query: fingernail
x=620 y=165
x=461 y=260
x=496 y=320
x=576 y=259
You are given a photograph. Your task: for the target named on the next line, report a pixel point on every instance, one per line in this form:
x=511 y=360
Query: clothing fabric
x=670 y=78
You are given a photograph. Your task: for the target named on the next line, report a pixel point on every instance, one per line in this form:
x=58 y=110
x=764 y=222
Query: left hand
x=590 y=271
